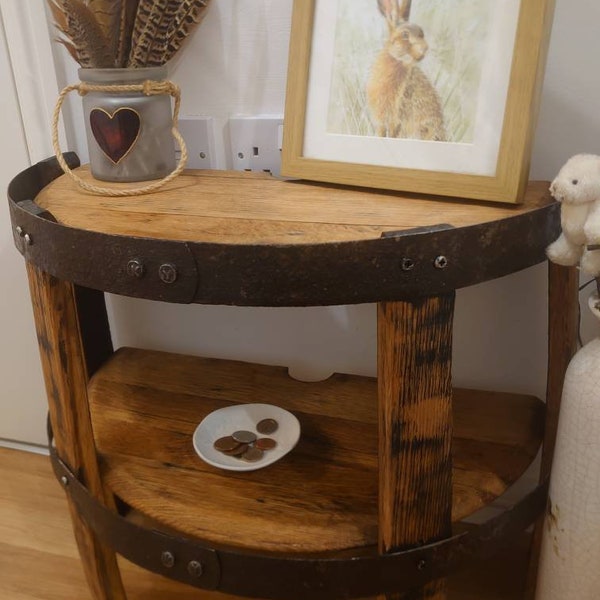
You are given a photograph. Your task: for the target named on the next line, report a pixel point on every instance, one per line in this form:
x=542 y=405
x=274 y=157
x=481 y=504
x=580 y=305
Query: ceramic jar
x=570 y=555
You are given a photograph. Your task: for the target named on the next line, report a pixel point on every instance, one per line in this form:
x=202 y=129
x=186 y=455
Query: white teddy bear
x=577 y=188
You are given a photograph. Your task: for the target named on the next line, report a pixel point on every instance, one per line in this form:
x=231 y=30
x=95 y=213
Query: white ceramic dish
x=225 y=421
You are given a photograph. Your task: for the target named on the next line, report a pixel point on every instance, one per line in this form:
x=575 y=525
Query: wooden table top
x=242 y=238
x=234 y=207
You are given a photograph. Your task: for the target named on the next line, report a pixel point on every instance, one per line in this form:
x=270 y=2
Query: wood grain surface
x=66 y=378
x=323 y=495
x=35 y=530
x=246 y=208
x=415 y=427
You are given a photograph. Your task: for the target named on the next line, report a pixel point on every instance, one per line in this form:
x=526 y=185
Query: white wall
x=22 y=396
x=29 y=90
x=236 y=64
x=569 y=117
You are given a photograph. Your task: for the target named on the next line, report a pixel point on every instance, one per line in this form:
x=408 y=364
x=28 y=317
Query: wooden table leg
x=563 y=323
x=415 y=427
x=59 y=332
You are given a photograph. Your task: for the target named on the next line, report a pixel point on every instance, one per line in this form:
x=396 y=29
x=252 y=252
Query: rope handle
x=148 y=88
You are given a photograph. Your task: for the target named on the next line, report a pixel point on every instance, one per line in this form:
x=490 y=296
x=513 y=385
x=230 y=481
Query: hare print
x=402 y=101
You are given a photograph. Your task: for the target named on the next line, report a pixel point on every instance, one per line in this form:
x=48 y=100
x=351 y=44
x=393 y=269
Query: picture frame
x=342 y=110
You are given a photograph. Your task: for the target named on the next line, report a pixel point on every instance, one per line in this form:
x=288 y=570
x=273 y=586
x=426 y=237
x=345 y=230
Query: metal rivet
x=20 y=231
x=441 y=262
x=195 y=568
x=421 y=565
x=28 y=239
x=167 y=273
x=136 y=268
x=64 y=480
x=408 y=264
x=167 y=559
x=202 y=154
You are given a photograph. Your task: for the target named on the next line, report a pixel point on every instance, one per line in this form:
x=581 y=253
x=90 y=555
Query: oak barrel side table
x=370 y=502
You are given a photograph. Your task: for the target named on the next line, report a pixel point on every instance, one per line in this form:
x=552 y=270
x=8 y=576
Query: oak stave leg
x=66 y=373
x=415 y=427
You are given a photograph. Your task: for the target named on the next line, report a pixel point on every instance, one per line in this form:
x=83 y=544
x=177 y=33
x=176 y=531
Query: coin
x=238 y=450
x=244 y=437
x=267 y=426
x=226 y=444
x=265 y=443
x=253 y=454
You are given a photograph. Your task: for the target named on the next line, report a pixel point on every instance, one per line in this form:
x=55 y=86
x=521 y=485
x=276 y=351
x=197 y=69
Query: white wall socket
x=199 y=134
x=256 y=143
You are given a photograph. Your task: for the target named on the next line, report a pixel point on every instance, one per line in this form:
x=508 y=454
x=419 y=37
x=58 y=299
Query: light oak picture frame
x=314 y=150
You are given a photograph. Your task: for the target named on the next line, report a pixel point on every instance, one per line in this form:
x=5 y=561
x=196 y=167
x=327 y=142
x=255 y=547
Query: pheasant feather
x=125 y=33
x=127 y=20
x=70 y=48
x=157 y=48
x=154 y=18
x=188 y=17
x=108 y=15
x=86 y=38
x=59 y=16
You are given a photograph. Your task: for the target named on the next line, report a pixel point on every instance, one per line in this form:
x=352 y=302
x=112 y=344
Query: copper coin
x=267 y=426
x=238 y=450
x=265 y=443
x=253 y=454
x=225 y=444
x=244 y=437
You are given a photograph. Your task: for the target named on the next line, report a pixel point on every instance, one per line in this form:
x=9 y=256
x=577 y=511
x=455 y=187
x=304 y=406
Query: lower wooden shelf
x=35 y=528
x=323 y=495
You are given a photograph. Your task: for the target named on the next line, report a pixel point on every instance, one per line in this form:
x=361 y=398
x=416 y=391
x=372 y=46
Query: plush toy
x=577 y=188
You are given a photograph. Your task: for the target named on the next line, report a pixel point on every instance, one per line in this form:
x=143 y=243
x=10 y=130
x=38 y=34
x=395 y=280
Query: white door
x=22 y=395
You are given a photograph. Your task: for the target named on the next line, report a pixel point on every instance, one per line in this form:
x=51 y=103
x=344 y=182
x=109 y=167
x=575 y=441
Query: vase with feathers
x=121 y=44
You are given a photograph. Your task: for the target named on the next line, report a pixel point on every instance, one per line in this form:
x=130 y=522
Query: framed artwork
x=429 y=96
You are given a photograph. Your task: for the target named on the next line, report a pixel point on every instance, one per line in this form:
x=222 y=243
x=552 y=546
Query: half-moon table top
x=243 y=238
x=233 y=207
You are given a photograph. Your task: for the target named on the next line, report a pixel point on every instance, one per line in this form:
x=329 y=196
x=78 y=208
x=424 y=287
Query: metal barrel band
x=53 y=241
x=191 y=563
x=288 y=577
x=397 y=266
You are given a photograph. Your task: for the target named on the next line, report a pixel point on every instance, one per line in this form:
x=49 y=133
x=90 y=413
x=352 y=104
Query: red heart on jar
x=116 y=134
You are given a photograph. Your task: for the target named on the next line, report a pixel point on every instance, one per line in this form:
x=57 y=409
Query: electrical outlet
x=200 y=139
x=256 y=143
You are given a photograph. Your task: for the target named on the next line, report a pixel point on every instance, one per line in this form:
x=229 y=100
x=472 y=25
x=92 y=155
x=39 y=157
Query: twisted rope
x=148 y=88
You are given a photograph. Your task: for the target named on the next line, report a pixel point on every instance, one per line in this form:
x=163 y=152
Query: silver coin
x=244 y=437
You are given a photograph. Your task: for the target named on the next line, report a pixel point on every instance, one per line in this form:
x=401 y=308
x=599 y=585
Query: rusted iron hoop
x=441 y=258
x=281 y=577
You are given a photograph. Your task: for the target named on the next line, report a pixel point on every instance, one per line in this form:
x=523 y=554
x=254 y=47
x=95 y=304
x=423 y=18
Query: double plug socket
x=240 y=143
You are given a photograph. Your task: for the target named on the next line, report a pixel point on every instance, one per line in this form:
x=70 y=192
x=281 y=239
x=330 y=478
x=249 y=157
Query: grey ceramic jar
x=128 y=133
